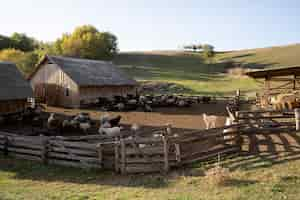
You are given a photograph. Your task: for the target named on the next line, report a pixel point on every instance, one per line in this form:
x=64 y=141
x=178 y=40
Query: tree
x=87 y=42
x=194 y=47
x=5 y=42
x=24 y=61
x=208 y=51
x=23 y=42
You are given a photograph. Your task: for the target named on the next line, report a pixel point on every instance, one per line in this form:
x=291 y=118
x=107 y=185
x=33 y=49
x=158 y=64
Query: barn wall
x=50 y=84
x=12 y=106
x=89 y=94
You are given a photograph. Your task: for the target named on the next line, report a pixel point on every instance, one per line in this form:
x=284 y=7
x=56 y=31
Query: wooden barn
x=14 y=89
x=71 y=82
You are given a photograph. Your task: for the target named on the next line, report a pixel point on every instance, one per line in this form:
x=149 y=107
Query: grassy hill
x=188 y=69
x=265 y=57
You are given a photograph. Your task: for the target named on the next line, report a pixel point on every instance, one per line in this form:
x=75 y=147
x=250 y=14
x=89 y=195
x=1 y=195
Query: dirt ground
x=187 y=118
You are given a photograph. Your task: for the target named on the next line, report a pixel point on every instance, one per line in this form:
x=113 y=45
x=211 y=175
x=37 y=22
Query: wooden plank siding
x=50 y=84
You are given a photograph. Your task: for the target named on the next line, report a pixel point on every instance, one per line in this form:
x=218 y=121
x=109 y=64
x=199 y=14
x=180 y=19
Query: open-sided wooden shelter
x=14 y=89
x=71 y=82
x=278 y=80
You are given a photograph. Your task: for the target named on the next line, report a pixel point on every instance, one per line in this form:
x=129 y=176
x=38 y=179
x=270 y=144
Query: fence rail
x=133 y=154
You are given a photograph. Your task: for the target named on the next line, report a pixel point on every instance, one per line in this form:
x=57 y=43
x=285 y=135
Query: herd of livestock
x=146 y=103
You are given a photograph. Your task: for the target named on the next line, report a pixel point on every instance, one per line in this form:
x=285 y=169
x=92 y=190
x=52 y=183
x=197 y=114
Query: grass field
x=255 y=178
x=188 y=69
x=185 y=69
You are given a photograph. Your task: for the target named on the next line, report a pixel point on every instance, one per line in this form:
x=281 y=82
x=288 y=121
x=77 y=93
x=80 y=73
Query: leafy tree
x=5 y=42
x=87 y=42
x=208 y=51
x=193 y=47
x=24 y=61
x=18 y=41
x=23 y=42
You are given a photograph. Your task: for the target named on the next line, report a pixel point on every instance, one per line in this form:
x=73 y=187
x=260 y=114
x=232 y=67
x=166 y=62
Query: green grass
x=265 y=57
x=188 y=69
x=254 y=178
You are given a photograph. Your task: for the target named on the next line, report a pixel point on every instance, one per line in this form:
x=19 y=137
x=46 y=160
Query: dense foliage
x=18 y=41
x=24 y=60
x=85 y=42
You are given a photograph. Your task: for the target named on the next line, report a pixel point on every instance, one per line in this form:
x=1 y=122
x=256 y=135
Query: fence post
x=239 y=140
x=166 y=153
x=237 y=99
x=5 y=147
x=117 y=155
x=169 y=129
x=297 y=118
x=123 y=156
x=45 y=151
x=177 y=152
x=100 y=156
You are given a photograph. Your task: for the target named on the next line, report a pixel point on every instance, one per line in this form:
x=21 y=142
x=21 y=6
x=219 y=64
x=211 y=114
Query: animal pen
x=140 y=152
x=278 y=80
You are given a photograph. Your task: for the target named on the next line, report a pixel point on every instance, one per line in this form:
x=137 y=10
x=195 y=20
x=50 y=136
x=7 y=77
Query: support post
x=6 y=143
x=100 y=156
x=177 y=153
x=45 y=151
x=297 y=118
x=169 y=130
x=166 y=153
x=239 y=139
x=117 y=154
x=123 y=156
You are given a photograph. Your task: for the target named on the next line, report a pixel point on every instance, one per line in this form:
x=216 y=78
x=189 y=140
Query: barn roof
x=12 y=83
x=279 y=71
x=87 y=72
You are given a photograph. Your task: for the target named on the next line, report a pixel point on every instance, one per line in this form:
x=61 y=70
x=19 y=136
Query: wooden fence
x=131 y=154
x=266 y=121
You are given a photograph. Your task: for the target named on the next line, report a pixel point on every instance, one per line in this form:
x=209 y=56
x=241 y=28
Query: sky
x=160 y=24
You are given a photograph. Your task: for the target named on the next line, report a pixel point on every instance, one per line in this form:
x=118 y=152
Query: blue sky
x=160 y=24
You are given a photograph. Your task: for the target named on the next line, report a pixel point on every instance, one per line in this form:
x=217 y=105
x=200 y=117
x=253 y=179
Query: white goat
x=210 y=120
x=114 y=131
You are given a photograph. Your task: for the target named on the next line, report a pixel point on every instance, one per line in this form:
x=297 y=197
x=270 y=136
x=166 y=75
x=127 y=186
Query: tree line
x=84 y=42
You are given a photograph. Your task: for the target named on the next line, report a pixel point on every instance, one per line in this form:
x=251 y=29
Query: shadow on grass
x=28 y=170
x=266 y=150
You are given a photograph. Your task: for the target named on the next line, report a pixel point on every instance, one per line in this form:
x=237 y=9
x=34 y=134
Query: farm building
x=71 y=82
x=14 y=89
x=278 y=80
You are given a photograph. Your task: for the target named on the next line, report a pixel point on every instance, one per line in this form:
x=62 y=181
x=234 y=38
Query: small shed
x=14 y=89
x=278 y=80
x=71 y=82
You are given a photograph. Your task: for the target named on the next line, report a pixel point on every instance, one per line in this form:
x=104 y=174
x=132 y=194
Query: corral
x=168 y=139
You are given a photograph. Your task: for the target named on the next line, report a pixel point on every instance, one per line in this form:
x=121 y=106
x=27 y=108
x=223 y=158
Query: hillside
x=265 y=57
x=188 y=69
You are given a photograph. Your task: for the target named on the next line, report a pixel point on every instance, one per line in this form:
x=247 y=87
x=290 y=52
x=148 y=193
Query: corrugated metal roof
x=12 y=83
